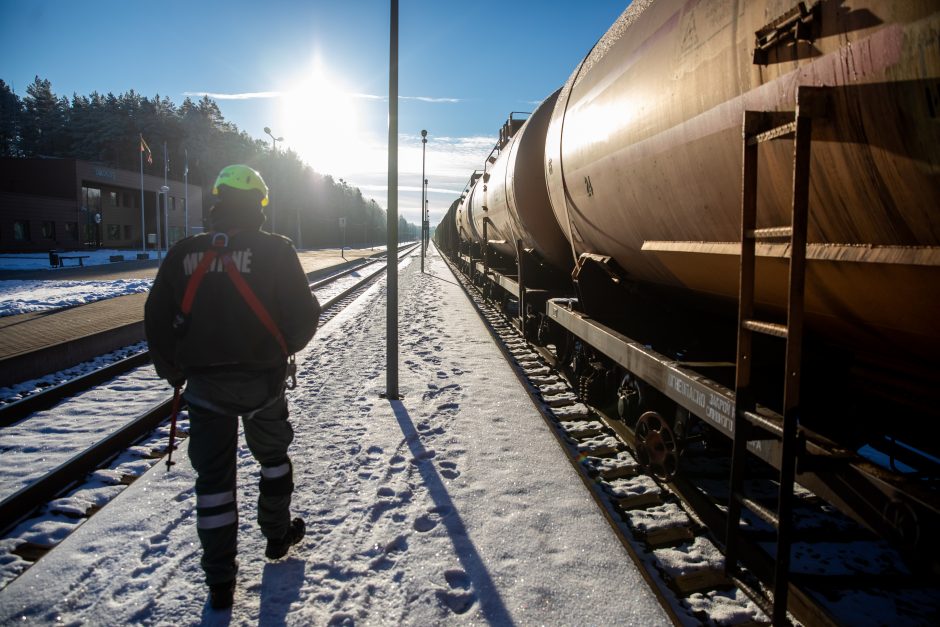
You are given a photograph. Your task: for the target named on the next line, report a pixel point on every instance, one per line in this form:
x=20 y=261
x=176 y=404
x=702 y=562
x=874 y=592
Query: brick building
x=73 y=205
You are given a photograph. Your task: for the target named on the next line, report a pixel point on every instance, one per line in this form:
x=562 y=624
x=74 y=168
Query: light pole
x=274 y=141
x=424 y=182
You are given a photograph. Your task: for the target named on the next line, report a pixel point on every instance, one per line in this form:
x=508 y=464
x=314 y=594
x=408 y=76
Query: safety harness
x=217 y=250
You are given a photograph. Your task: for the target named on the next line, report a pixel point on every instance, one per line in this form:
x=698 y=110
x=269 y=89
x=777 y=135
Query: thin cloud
x=419 y=98
x=250 y=95
x=429 y=99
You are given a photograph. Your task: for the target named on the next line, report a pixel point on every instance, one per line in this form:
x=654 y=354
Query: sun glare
x=320 y=121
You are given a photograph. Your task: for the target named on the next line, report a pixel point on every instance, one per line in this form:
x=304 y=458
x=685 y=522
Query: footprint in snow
x=457 y=578
x=460 y=597
x=342 y=619
x=396 y=464
x=430 y=520
x=449 y=470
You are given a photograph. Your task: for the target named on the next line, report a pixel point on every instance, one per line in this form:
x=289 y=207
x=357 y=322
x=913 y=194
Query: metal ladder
x=748 y=424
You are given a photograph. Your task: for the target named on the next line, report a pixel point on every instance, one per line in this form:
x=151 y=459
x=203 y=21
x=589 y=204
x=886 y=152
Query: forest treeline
x=106 y=128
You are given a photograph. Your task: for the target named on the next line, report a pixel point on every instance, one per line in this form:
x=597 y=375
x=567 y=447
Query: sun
x=321 y=122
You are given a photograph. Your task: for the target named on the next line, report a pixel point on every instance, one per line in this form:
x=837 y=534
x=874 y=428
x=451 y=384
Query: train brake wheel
x=656 y=447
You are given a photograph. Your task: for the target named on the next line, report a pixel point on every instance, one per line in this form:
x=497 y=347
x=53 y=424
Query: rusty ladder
x=749 y=425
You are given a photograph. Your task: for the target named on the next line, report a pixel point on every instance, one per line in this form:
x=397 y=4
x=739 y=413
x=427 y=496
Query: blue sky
x=316 y=71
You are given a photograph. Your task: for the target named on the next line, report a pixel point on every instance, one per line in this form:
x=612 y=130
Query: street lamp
x=274 y=141
x=267 y=130
x=424 y=143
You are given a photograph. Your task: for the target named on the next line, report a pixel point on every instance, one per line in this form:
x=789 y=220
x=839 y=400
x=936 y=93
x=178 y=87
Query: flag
x=145 y=148
x=186 y=164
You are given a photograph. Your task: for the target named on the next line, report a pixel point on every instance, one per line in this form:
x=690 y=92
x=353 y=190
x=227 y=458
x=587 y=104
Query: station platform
x=452 y=506
x=34 y=344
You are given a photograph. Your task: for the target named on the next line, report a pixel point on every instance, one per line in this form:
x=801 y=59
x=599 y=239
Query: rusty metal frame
x=871 y=495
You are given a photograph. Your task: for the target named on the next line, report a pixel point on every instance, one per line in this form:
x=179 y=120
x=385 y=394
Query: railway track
x=673 y=525
x=145 y=433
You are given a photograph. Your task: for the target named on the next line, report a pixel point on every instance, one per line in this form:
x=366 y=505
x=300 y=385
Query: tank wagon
x=728 y=218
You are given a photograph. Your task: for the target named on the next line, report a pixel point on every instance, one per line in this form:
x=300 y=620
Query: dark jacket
x=222 y=331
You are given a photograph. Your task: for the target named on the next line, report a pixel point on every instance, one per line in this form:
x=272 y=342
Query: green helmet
x=243 y=178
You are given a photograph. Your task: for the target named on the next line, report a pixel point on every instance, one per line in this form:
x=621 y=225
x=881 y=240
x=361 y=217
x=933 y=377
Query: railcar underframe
x=896 y=507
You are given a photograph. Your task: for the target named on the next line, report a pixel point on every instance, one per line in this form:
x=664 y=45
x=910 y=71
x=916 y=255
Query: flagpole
x=143 y=227
x=186 y=191
x=166 y=203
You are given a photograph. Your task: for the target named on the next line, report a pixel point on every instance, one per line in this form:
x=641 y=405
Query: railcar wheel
x=656 y=448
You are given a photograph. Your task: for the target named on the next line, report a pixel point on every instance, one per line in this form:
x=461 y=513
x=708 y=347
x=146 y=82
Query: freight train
x=728 y=220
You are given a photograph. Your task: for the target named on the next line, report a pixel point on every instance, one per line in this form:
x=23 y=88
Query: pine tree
x=11 y=112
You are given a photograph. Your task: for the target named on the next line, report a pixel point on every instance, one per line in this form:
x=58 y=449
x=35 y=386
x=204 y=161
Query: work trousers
x=215 y=403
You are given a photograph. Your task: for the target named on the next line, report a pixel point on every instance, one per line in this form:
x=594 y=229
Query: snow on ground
x=25 y=296
x=76 y=423
x=18 y=297
x=22 y=389
x=451 y=506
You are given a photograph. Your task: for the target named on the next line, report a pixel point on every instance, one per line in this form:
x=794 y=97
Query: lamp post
x=391 y=312
x=424 y=182
x=274 y=141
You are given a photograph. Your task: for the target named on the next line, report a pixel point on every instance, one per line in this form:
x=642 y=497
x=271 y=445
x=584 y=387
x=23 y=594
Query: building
x=68 y=204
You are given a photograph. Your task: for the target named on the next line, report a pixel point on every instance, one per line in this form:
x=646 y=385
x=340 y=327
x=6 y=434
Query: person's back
x=222 y=329
x=226 y=313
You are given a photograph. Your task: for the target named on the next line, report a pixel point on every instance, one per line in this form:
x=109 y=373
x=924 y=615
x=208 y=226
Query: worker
x=227 y=311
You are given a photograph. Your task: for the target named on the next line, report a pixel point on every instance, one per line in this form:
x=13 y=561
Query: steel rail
x=361 y=283
x=19 y=505
x=15 y=411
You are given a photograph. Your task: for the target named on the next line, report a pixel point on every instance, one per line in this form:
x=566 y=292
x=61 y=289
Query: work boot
x=222 y=595
x=278 y=548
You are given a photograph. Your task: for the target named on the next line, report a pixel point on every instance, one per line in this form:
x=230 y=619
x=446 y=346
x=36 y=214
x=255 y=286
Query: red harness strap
x=196 y=279
x=240 y=284
x=253 y=301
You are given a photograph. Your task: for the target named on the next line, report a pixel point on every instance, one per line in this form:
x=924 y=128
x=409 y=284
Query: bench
x=57 y=260
x=81 y=258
